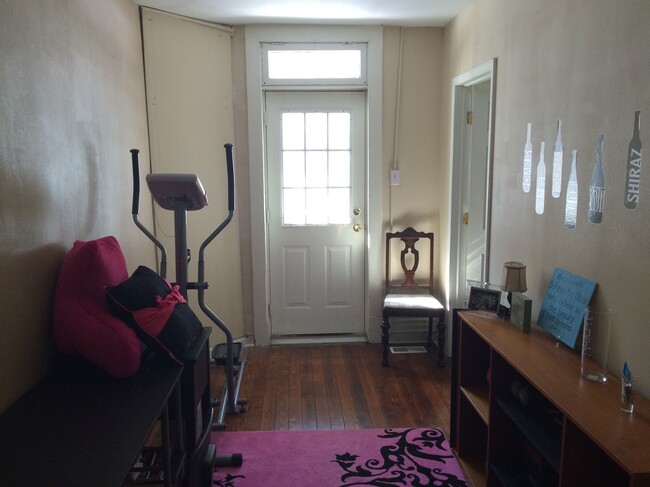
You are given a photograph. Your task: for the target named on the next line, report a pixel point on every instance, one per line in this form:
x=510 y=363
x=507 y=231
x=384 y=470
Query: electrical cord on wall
x=398 y=97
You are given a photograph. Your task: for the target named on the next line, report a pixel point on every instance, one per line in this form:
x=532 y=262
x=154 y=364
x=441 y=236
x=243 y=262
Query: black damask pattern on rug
x=415 y=460
x=227 y=481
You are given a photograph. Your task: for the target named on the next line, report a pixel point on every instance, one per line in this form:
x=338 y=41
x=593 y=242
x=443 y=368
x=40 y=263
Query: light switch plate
x=394 y=177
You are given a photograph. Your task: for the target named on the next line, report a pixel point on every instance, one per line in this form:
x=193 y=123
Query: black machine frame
x=182 y=193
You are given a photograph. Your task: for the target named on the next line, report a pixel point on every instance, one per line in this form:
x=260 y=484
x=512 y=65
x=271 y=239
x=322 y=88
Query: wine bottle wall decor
x=558 y=153
x=633 y=169
x=597 y=187
x=528 y=161
x=571 y=209
x=634 y=160
x=540 y=190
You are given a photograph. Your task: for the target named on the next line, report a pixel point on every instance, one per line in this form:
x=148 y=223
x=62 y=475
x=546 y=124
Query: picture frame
x=483 y=299
x=469 y=283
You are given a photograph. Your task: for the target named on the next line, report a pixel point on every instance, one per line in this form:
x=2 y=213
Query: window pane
x=316 y=206
x=293 y=131
x=316 y=165
x=339 y=169
x=306 y=64
x=339 y=205
x=316 y=169
x=293 y=169
x=316 y=130
x=339 y=131
x=293 y=206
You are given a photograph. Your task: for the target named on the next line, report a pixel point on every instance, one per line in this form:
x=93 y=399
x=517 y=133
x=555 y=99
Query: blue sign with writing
x=564 y=305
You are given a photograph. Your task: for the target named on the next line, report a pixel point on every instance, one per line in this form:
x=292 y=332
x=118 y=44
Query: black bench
x=78 y=426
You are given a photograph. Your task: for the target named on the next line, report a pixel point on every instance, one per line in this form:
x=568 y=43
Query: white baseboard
x=317 y=339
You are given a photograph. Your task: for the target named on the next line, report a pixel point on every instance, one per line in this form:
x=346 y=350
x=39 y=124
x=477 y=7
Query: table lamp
x=514 y=277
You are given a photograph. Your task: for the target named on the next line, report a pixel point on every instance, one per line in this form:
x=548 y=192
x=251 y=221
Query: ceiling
x=408 y=13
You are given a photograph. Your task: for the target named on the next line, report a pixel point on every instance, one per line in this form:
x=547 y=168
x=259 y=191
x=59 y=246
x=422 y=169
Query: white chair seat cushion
x=412 y=301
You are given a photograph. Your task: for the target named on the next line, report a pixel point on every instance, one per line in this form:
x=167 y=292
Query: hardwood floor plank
x=284 y=395
x=422 y=408
x=307 y=393
x=356 y=413
x=344 y=378
x=341 y=386
x=332 y=392
x=367 y=370
x=272 y=393
x=321 y=402
x=255 y=374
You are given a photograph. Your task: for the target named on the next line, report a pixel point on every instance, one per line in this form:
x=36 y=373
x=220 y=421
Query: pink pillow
x=83 y=323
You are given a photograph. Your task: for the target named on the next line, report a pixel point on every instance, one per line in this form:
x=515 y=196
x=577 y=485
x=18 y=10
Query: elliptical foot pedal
x=220 y=351
x=232 y=460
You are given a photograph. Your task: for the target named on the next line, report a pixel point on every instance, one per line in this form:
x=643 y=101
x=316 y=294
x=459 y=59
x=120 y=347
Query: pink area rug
x=327 y=458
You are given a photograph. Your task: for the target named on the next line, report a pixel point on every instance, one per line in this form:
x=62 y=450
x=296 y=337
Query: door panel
x=339 y=285
x=315 y=146
x=296 y=277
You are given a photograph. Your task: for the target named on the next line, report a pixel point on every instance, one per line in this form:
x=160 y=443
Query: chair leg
x=385 y=326
x=442 y=328
x=430 y=333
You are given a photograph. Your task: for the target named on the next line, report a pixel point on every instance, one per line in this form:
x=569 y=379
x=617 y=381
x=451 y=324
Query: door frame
x=324 y=311
x=254 y=37
x=460 y=88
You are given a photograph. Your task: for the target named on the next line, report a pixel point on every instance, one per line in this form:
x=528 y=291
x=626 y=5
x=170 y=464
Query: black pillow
x=156 y=311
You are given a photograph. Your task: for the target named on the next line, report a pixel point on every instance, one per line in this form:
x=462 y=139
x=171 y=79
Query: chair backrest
x=410 y=281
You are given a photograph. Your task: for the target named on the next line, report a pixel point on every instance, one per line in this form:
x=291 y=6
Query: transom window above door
x=314 y=64
x=315 y=158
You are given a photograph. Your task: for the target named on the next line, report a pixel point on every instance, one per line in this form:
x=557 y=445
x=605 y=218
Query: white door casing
x=255 y=36
x=474 y=188
x=464 y=171
x=316 y=268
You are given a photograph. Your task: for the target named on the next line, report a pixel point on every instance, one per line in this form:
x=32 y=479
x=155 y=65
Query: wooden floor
x=339 y=386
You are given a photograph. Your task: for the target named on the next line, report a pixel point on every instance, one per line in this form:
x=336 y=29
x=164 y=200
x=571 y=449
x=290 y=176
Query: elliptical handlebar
x=231 y=178
x=134 y=211
x=231 y=206
x=231 y=395
x=136 y=181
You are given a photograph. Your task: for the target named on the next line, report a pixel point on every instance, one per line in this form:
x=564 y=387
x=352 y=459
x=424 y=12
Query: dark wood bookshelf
x=570 y=432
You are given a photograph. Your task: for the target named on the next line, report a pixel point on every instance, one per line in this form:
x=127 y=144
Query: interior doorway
x=472 y=153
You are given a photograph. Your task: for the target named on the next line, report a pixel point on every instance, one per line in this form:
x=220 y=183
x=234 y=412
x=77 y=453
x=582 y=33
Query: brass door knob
x=356 y=227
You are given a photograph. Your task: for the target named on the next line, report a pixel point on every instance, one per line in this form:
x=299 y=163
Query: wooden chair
x=410 y=296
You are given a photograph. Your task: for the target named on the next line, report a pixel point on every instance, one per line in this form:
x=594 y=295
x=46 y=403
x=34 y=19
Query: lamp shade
x=514 y=277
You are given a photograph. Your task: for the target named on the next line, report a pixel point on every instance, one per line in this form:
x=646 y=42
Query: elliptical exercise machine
x=181 y=193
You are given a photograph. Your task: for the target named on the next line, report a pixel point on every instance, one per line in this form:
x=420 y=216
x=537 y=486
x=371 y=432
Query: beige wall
x=587 y=63
x=240 y=113
x=71 y=107
x=410 y=203
x=190 y=109
x=71 y=78
x=415 y=202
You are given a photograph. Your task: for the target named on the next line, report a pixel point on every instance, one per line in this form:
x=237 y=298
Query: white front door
x=315 y=145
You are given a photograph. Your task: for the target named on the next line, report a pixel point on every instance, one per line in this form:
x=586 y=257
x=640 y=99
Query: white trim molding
x=255 y=37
